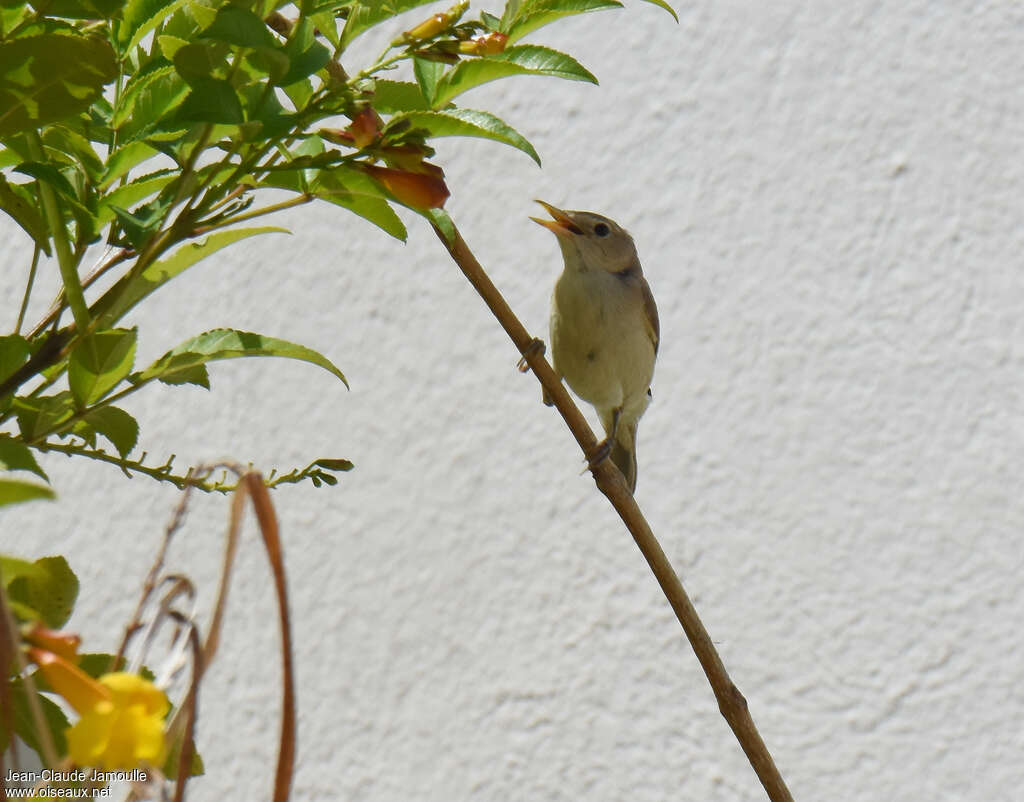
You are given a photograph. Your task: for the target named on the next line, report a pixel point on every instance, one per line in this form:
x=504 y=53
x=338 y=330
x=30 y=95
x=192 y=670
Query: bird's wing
x=651 y=314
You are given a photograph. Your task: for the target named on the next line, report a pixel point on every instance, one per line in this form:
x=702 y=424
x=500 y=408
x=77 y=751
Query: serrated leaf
x=145 y=102
x=197 y=375
x=231 y=344
x=73 y=144
x=305 y=55
x=521 y=60
x=16 y=456
x=467 y=122
x=201 y=61
x=239 y=26
x=48 y=174
x=354 y=191
x=120 y=428
x=130 y=194
x=428 y=76
x=364 y=15
x=99 y=362
x=39 y=416
x=140 y=17
x=534 y=14
x=80 y=9
x=128 y=291
x=48 y=586
x=25 y=214
x=212 y=100
x=49 y=77
x=390 y=97
x=124 y=159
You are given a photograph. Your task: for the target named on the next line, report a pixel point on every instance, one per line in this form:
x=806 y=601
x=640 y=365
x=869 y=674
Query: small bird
x=604 y=328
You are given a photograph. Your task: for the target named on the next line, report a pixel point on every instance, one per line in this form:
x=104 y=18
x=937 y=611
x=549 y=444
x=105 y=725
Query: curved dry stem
x=731 y=702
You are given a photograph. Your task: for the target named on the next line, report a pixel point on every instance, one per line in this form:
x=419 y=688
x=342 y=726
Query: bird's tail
x=624 y=450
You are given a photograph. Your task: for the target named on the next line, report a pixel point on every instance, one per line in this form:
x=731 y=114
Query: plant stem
x=28 y=290
x=609 y=481
x=66 y=260
x=275 y=207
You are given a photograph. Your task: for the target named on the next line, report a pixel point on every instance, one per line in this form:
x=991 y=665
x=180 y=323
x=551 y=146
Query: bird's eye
x=602 y=230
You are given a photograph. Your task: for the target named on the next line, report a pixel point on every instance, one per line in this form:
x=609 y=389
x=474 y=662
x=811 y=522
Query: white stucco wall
x=827 y=201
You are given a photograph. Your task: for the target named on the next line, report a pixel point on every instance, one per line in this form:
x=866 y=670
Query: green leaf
x=428 y=76
x=239 y=26
x=73 y=144
x=39 y=416
x=47 y=586
x=48 y=174
x=25 y=721
x=197 y=375
x=466 y=122
x=364 y=15
x=130 y=194
x=140 y=225
x=144 y=104
x=334 y=464
x=16 y=456
x=124 y=159
x=201 y=61
x=80 y=9
x=305 y=54
x=212 y=100
x=667 y=7
x=48 y=77
x=534 y=14
x=230 y=344
x=128 y=291
x=390 y=97
x=327 y=25
x=26 y=214
x=14 y=352
x=120 y=428
x=99 y=362
x=142 y=16
x=356 y=192
x=521 y=60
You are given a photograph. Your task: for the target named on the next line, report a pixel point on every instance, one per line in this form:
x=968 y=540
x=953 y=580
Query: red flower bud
x=417 y=190
x=488 y=45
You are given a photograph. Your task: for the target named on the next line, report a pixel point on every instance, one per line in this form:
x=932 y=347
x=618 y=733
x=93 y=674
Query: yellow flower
x=124 y=731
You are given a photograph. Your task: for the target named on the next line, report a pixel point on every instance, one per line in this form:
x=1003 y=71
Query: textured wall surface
x=827 y=200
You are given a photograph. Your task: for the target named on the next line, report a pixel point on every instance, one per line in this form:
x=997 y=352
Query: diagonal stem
x=731 y=702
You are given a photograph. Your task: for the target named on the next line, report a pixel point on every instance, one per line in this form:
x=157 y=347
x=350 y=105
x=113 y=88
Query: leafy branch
x=319 y=472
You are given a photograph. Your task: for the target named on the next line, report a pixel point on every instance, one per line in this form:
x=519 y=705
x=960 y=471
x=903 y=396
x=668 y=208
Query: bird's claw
x=601 y=452
x=535 y=348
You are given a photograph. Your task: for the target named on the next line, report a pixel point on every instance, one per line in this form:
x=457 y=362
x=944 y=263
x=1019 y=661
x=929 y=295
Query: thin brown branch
x=731 y=702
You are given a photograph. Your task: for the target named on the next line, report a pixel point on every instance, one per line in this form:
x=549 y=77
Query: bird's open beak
x=562 y=225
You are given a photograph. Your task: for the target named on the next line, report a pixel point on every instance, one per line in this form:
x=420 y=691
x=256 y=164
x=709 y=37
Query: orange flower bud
x=63 y=644
x=365 y=127
x=433 y=25
x=489 y=45
x=80 y=690
x=417 y=190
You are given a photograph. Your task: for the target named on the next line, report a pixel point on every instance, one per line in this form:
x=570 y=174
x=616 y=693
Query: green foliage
x=44 y=590
x=153 y=128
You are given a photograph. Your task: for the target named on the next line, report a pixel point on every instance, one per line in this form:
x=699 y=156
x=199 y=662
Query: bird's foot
x=535 y=348
x=601 y=452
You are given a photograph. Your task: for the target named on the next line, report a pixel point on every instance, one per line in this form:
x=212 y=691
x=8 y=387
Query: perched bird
x=604 y=327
